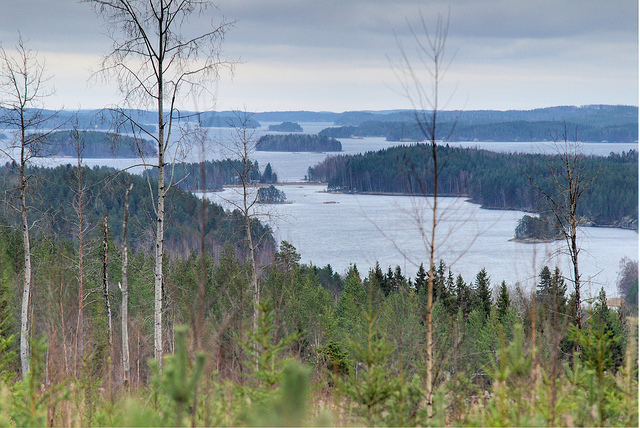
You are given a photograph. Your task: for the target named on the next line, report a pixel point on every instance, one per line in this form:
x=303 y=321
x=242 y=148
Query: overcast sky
x=337 y=55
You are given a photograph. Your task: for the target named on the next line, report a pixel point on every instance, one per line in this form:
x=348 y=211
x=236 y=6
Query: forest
x=126 y=300
x=503 y=131
x=216 y=173
x=494 y=180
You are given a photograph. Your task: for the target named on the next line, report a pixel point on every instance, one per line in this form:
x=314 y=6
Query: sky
x=343 y=55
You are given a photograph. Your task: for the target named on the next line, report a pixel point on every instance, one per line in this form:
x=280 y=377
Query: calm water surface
x=340 y=229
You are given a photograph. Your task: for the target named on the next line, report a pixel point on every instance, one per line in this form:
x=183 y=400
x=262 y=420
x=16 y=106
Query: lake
x=341 y=229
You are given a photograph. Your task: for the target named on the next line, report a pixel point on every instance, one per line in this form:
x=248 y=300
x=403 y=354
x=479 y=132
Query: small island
x=298 y=143
x=271 y=195
x=536 y=229
x=286 y=127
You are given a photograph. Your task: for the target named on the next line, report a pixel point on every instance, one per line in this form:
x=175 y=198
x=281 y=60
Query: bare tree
x=105 y=279
x=22 y=89
x=155 y=61
x=424 y=94
x=562 y=187
x=241 y=147
x=81 y=227
x=124 y=287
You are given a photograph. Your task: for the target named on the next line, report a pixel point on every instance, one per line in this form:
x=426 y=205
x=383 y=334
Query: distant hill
x=97 y=144
x=617 y=124
x=594 y=122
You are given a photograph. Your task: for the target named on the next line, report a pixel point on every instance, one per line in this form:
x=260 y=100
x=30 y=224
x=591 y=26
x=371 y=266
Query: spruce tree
x=421 y=279
x=504 y=302
x=483 y=293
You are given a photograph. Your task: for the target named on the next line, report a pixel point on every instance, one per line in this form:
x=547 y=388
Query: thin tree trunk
x=105 y=279
x=79 y=345
x=158 y=271
x=25 y=352
x=126 y=368
x=434 y=222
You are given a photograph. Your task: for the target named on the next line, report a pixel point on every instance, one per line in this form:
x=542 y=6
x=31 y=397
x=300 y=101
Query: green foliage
x=531 y=228
x=482 y=293
x=504 y=302
x=271 y=195
x=494 y=180
x=266 y=362
x=29 y=401
x=370 y=385
x=287 y=407
x=178 y=380
x=106 y=197
x=217 y=173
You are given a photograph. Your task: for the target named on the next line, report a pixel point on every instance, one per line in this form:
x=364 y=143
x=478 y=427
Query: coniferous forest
x=128 y=300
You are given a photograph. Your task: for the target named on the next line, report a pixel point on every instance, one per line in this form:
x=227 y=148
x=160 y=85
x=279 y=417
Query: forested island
x=286 y=127
x=494 y=180
x=217 y=173
x=298 y=143
x=271 y=195
x=537 y=229
x=504 y=131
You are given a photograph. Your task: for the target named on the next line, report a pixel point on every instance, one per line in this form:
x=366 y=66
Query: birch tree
x=157 y=59
x=22 y=90
x=124 y=287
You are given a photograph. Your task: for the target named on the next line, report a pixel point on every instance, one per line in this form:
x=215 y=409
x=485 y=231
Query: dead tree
x=22 y=89
x=241 y=147
x=156 y=61
x=124 y=287
x=563 y=186
x=81 y=227
x=105 y=279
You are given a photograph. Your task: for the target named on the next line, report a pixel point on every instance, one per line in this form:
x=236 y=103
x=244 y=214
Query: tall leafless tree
x=241 y=147
x=156 y=59
x=421 y=80
x=82 y=228
x=563 y=186
x=124 y=287
x=22 y=90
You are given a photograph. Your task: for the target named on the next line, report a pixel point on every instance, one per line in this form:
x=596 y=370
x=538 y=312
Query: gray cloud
x=544 y=51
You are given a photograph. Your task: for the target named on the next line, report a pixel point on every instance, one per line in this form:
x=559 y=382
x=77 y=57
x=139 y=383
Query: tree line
x=494 y=180
x=524 y=131
x=217 y=173
x=55 y=211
